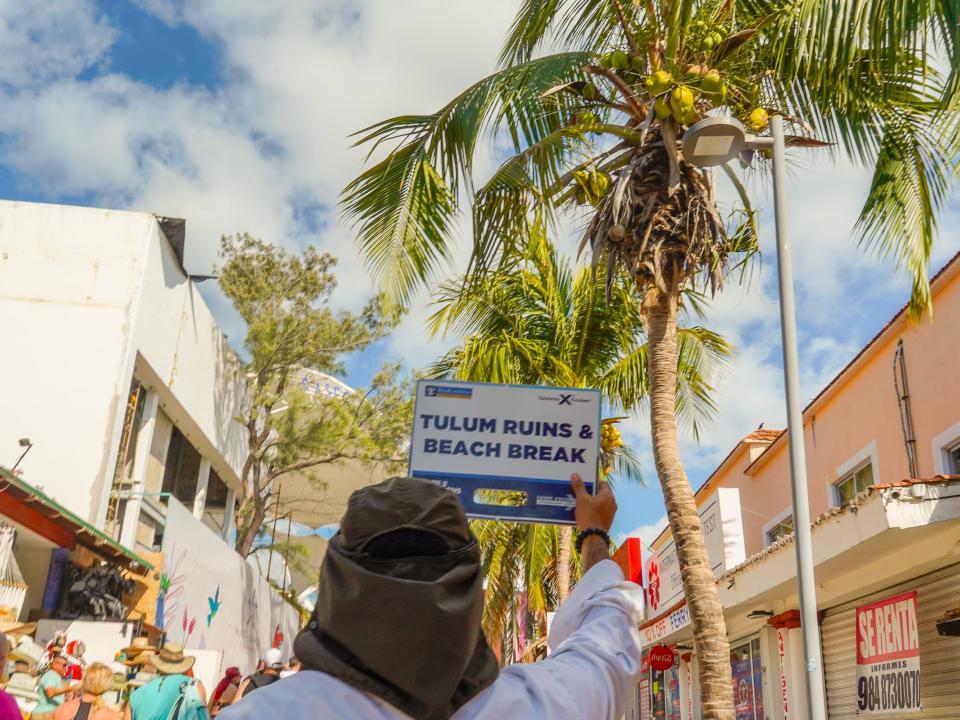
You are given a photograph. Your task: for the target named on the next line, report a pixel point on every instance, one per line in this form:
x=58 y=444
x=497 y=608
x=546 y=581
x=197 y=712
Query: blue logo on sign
x=446 y=391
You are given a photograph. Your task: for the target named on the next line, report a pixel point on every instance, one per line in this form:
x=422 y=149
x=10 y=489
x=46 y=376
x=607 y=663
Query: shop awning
x=30 y=507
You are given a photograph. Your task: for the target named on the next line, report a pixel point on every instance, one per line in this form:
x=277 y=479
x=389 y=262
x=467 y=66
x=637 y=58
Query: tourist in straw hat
x=156 y=699
x=139 y=652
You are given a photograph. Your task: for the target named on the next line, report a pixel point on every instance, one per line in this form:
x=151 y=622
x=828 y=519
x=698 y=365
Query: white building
x=118 y=375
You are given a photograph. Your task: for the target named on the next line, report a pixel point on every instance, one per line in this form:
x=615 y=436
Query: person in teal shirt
x=53 y=689
x=156 y=699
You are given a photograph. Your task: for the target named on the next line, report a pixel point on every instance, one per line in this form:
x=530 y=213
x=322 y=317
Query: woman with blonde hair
x=97 y=680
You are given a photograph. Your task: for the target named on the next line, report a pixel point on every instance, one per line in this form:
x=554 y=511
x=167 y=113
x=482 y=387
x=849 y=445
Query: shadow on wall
x=230 y=389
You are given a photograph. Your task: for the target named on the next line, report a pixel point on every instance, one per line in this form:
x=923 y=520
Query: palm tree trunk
x=699 y=583
x=564 y=535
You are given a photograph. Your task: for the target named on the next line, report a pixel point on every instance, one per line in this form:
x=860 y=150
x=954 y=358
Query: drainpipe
x=903 y=403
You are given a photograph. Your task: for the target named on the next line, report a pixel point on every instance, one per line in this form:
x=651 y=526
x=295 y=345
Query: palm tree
x=541 y=323
x=595 y=131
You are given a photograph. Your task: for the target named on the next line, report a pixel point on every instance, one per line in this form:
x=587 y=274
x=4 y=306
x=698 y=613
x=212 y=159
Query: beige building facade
x=883 y=462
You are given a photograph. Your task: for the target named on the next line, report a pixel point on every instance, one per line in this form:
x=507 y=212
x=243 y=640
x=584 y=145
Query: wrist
x=592 y=543
x=592 y=533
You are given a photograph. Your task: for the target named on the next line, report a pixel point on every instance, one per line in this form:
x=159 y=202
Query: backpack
x=189 y=706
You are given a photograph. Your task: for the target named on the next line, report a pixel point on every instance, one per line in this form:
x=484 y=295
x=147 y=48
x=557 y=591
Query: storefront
x=888 y=572
x=51 y=548
x=673 y=693
x=884 y=656
x=746 y=665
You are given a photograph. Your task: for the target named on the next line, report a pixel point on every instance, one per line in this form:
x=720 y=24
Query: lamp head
x=713 y=141
x=25 y=442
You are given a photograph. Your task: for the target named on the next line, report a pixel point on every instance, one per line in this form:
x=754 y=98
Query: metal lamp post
x=708 y=143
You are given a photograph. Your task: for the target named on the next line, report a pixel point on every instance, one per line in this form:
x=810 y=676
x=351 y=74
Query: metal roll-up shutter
x=837 y=637
x=939 y=656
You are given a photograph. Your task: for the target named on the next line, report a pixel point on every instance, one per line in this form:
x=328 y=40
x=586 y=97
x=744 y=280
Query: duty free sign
x=483 y=440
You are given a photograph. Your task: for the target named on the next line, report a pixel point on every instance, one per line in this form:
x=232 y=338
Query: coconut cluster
x=682 y=94
x=610 y=441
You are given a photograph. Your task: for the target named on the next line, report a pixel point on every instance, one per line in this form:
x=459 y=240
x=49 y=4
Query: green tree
x=595 y=131
x=541 y=323
x=283 y=299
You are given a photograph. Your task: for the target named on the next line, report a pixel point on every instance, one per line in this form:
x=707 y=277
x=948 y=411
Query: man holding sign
x=482 y=440
x=396 y=631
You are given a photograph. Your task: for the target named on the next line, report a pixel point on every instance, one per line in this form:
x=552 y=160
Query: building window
x=181 y=469
x=747 y=669
x=215 y=507
x=665 y=694
x=854 y=484
x=953 y=460
x=781 y=530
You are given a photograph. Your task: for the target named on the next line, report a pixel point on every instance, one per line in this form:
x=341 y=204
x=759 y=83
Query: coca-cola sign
x=661 y=657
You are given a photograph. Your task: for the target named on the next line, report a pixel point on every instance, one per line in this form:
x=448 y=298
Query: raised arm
x=593 y=512
x=594 y=640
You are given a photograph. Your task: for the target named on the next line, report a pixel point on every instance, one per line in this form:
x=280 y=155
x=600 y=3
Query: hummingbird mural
x=214 y=603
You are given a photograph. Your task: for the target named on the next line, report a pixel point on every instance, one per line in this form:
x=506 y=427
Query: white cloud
x=647 y=532
x=269 y=143
x=45 y=40
x=267 y=152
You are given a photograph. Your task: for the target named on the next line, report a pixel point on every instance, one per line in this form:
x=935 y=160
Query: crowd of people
x=396 y=634
x=144 y=682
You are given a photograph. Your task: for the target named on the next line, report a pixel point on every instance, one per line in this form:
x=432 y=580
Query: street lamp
x=24 y=443
x=714 y=141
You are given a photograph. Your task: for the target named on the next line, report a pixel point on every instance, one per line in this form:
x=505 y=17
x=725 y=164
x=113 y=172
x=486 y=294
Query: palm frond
x=403 y=212
x=403 y=206
x=909 y=186
x=701 y=355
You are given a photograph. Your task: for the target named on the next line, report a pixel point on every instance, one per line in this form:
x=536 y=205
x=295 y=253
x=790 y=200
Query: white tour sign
x=478 y=436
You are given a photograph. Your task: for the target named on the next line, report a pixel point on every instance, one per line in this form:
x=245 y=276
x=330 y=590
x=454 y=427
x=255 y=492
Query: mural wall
x=211 y=599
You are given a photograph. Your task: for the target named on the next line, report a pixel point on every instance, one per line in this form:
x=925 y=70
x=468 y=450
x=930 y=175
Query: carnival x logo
x=565 y=399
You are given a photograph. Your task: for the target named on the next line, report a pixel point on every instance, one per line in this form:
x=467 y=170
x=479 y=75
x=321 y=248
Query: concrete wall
x=176 y=335
x=68 y=283
x=88 y=298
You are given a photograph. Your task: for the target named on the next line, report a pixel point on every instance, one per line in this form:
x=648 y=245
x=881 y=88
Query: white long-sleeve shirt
x=594 y=662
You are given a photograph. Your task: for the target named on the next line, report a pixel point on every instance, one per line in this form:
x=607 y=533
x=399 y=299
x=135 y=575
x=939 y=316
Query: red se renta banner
x=888 y=656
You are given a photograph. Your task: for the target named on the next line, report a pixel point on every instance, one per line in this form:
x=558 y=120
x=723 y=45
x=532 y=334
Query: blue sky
x=235 y=114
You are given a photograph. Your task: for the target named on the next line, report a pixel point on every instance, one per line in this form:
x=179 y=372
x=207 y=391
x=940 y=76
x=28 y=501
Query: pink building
x=883 y=463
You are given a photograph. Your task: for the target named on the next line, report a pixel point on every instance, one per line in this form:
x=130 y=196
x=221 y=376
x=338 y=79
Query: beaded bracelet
x=584 y=534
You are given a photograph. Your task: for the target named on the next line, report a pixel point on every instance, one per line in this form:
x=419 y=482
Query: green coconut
x=681 y=99
x=585 y=117
x=759 y=118
x=659 y=82
x=712 y=82
x=661 y=108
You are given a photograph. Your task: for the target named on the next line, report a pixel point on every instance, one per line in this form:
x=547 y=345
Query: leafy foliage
x=595 y=133
x=597 y=137
x=542 y=323
x=284 y=300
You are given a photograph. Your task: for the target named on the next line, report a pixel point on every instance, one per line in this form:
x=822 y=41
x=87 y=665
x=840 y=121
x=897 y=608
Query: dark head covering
x=399 y=601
